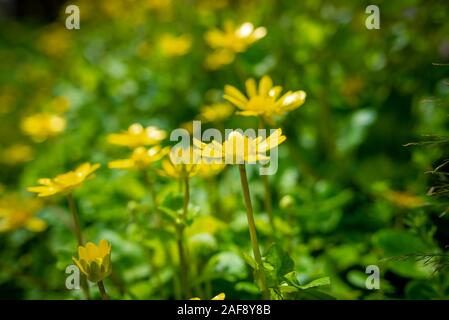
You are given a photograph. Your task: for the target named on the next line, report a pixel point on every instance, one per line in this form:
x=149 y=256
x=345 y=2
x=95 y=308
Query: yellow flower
x=173 y=46
x=140 y=158
x=66 y=182
x=234 y=38
x=55 y=41
x=183 y=163
x=60 y=104
x=219 y=58
x=216 y=112
x=220 y=296
x=209 y=169
x=265 y=100
x=239 y=148
x=137 y=136
x=42 y=126
x=177 y=171
x=158 y=4
x=17 y=153
x=17 y=213
x=95 y=261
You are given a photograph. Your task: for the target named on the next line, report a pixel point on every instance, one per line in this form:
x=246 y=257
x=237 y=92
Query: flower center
x=260 y=104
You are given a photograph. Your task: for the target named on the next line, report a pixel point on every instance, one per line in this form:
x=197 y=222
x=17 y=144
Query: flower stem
x=252 y=232
x=79 y=239
x=184 y=268
x=76 y=222
x=103 y=293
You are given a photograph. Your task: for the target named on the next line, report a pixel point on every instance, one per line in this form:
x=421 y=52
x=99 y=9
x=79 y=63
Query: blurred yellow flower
x=264 y=101
x=177 y=171
x=178 y=166
x=173 y=46
x=95 y=261
x=220 y=296
x=234 y=38
x=219 y=58
x=17 y=153
x=42 y=126
x=137 y=136
x=66 y=182
x=60 y=104
x=239 y=148
x=216 y=112
x=17 y=213
x=113 y=8
x=55 y=41
x=140 y=158
x=158 y=4
x=209 y=169
x=403 y=199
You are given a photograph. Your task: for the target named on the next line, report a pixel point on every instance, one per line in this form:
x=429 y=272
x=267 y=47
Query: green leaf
x=292 y=279
x=277 y=263
x=174 y=202
x=169 y=213
x=420 y=290
x=324 y=281
x=279 y=259
x=397 y=243
x=314 y=294
x=226 y=265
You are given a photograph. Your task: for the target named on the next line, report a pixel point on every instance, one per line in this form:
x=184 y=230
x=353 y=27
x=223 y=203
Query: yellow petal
x=104 y=247
x=44 y=181
x=235 y=93
x=234 y=101
x=92 y=251
x=275 y=92
x=121 y=164
x=79 y=265
x=251 y=87
x=220 y=296
x=135 y=128
x=265 y=86
x=259 y=33
x=44 y=191
x=248 y=113
x=275 y=139
x=82 y=253
x=169 y=169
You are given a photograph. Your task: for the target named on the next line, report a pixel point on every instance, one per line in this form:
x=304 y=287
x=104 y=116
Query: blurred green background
x=347 y=194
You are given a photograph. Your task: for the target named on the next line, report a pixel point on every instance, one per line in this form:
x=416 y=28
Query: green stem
x=79 y=239
x=252 y=232
x=103 y=293
x=186 y=197
x=76 y=222
x=184 y=268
